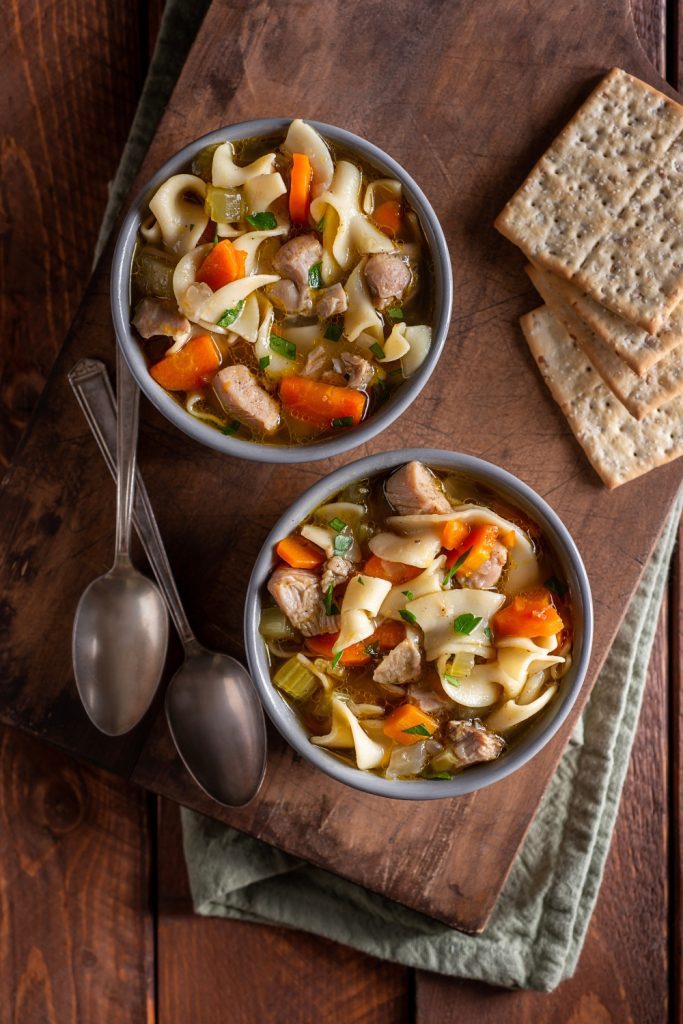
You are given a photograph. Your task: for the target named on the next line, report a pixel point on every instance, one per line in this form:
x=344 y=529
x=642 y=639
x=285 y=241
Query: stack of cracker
x=600 y=217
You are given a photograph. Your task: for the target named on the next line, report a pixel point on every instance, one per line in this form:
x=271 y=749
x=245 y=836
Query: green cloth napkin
x=537 y=929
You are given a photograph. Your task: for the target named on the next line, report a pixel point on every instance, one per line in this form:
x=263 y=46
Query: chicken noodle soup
x=282 y=289
x=417 y=623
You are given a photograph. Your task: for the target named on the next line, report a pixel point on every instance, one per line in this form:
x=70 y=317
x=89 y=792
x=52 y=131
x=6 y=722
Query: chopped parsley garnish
x=315 y=276
x=417 y=730
x=337 y=524
x=333 y=332
x=372 y=650
x=377 y=350
x=342 y=544
x=556 y=586
x=438 y=775
x=231 y=428
x=262 y=221
x=337 y=659
x=263 y=362
x=361 y=581
x=231 y=315
x=465 y=623
x=408 y=594
x=407 y=616
x=395 y=312
x=488 y=634
x=283 y=347
x=453 y=680
x=320 y=226
x=343 y=421
x=329 y=599
x=454 y=568
x=191 y=227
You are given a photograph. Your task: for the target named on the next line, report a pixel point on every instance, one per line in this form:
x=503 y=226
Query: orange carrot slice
x=408 y=725
x=453 y=534
x=191 y=367
x=222 y=265
x=529 y=615
x=300 y=188
x=300 y=553
x=387 y=216
x=386 y=637
x=326 y=405
x=477 y=548
x=394 y=572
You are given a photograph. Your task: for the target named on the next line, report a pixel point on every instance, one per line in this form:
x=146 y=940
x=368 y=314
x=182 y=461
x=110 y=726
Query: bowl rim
x=256 y=451
x=549 y=720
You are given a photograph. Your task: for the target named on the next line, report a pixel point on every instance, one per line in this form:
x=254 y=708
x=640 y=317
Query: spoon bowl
x=218 y=727
x=120 y=631
x=120 y=638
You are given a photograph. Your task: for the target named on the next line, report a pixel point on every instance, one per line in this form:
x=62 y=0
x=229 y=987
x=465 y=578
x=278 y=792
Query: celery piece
x=224 y=205
x=444 y=761
x=295 y=680
x=153 y=273
x=461 y=665
x=275 y=625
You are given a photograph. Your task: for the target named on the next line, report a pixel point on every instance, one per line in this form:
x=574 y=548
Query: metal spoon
x=120 y=632
x=212 y=707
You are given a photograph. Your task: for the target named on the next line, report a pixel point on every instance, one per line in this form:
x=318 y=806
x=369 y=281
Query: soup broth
x=416 y=623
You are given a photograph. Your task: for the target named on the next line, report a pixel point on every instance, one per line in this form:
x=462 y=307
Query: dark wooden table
x=95 y=916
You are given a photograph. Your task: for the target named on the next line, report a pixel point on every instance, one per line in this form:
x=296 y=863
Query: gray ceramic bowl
x=542 y=728
x=324 y=449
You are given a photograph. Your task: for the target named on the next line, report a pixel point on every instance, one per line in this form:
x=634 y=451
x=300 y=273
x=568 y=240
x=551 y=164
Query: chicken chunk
x=155 y=317
x=330 y=301
x=295 y=258
x=488 y=574
x=413 y=490
x=471 y=741
x=242 y=397
x=388 y=276
x=428 y=701
x=289 y=298
x=337 y=569
x=297 y=593
x=316 y=361
x=359 y=371
x=402 y=665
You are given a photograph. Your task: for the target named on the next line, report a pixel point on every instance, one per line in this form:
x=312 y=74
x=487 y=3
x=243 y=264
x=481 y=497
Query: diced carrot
x=386 y=637
x=529 y=615
x=191 y=367
x=394 y=572
x=477 y=548
x=352 y=657
x=300 y=553
x=326 y=405
x=300 y=188
x=509 y=539
x=222 y=265
x=387 y=216
x=408 y=725
x=454 y=534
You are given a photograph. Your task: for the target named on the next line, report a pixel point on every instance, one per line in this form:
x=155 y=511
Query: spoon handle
x=90 y=384
x=128 y=409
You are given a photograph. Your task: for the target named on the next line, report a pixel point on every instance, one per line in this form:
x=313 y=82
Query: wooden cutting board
x=466 y=96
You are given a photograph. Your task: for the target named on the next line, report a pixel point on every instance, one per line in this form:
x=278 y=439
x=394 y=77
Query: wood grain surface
x=76 y=941
x=59 y=503
x=615 y=980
